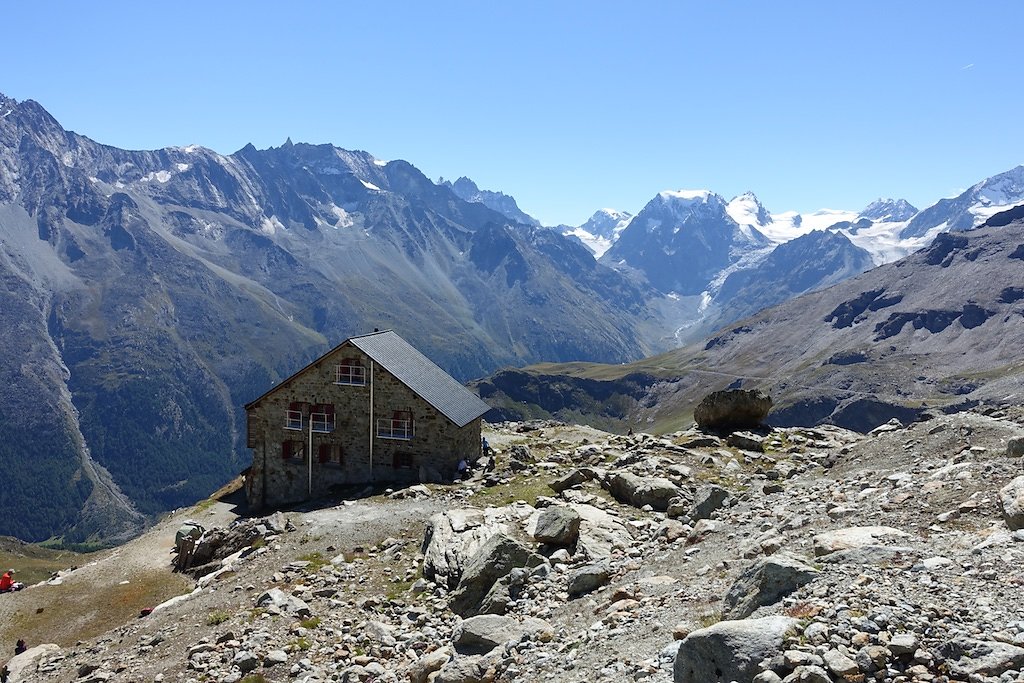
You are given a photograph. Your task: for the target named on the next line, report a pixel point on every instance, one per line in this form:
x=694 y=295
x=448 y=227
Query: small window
x=402 y=461
x=330 y=454
x=293 y=451
x=400 y=426
x=294 y=417
x=350 y=371
x=322 y=417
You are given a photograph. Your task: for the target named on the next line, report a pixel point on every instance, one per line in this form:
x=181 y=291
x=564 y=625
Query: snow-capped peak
x=746 y=209
x=601 y=230
x=889 y=210
x=686 y=195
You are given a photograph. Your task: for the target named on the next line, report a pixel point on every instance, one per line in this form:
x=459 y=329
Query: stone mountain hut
x=371 y=410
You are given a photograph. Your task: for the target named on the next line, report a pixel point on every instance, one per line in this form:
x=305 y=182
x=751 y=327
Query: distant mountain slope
x=971 y=207
x=145 y=295
x=941 y=329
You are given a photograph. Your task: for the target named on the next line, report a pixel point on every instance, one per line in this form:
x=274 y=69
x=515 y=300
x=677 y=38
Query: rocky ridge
x=789 y=554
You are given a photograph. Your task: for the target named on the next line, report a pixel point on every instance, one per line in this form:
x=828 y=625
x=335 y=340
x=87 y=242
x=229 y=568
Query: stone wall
x=431 y=454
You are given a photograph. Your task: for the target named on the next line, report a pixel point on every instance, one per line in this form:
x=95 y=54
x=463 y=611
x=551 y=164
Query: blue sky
x=568 y=106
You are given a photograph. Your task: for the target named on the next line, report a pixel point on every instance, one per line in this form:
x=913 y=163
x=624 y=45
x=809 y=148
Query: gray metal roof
x=422 y=375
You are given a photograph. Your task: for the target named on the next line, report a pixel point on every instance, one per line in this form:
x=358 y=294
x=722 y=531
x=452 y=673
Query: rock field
x=798 y=554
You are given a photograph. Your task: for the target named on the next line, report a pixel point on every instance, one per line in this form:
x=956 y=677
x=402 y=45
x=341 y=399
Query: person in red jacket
x=7 y=581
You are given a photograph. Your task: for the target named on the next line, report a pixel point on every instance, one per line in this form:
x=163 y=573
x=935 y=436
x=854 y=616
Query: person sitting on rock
x=20 y=646
x=7 y=581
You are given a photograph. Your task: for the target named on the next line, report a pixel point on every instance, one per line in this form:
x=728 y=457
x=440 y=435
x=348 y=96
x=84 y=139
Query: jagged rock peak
x=889 y=210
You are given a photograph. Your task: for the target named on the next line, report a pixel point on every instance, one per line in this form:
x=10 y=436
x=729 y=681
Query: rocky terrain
x=794 y=554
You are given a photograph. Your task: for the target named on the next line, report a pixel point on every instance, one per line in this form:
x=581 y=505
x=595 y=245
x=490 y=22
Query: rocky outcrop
x=732 y=409
x=495 y=558
x=452 y=538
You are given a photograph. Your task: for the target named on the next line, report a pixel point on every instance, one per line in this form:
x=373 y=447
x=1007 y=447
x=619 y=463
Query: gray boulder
x=1011 y=500
x=732 y=409
x=852 y=537
x=640 y=491
x=766 y=582
x=24 y=668
x=496 y=558
x=481 y=634
x=970 y=658
x=588 y=578
x=277 y=600
x=558 y=525
x=1015 y=447
x=730 y=650
x=706 y=500
x=747 y=441
x=574 y=478
x=451 y=539
x=421 y=669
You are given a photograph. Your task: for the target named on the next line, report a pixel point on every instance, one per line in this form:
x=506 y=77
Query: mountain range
x=146 y=295
x=940 y=330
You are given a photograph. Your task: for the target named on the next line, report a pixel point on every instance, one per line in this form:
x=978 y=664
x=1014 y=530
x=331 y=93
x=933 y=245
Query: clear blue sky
x=568 y=106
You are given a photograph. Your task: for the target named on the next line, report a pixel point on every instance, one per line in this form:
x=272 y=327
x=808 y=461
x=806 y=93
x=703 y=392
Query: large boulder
x=24 y=668
x=1011 y=499
x=1015 y=447
x=641 y=491
x=732 y=409
x=976 y=658
x=451 y=539
x=588 y=578
x=600 y=533
x=852 y=537
x=766 y=582
x=496 y=558
x=730 y=650
x=558 y=525
x=483 y=633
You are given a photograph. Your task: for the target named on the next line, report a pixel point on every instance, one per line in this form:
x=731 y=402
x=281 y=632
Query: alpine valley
x=145 y=296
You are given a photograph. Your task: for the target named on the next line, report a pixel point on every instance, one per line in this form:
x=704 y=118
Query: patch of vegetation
x=520 y=488
x=254 y=678
x=217 y=617
x=802 y=610
x=316 y=561
x=709 y=619
x=301 y=644
x=65 y=614
x=310 y=623
x=255 y=613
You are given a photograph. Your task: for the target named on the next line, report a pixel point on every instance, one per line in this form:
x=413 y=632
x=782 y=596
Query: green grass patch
x=316 y=561
x=520 y=488
x=217 y=617
x=310 y=623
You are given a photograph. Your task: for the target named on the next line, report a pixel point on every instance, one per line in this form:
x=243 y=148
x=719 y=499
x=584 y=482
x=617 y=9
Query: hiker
x=485 y=447
x=7 y=583
x=20 y=647
x=462 y=468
